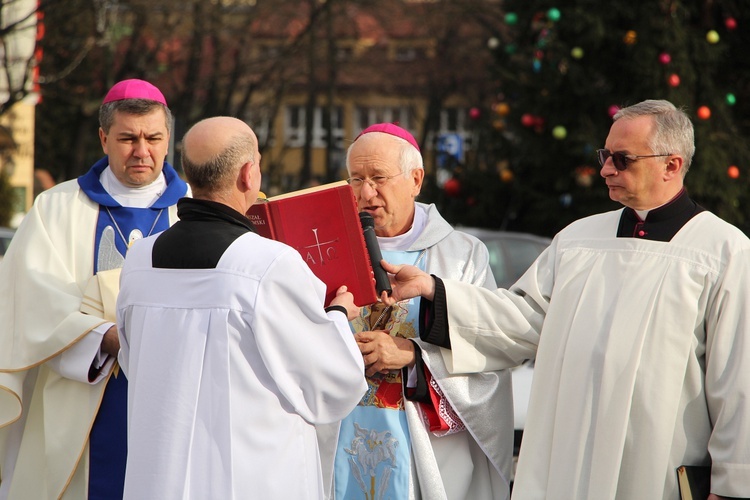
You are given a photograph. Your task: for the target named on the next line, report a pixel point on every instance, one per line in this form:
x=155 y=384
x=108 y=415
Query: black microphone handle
x=382 y=283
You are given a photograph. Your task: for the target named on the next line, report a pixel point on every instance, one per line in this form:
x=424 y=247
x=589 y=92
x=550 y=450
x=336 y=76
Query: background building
x=18 y=99
x=508 y=99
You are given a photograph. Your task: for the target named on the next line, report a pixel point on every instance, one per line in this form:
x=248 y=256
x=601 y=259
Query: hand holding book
x=323 y=225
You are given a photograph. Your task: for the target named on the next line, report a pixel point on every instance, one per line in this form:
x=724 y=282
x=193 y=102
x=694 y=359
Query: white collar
x=141 y=197
x=404 y=241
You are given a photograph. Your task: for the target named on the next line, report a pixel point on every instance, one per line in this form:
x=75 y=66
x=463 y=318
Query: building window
x=366 y=116
x=453 y=121
x=294 y=127
x=259 y=119
x=405 y=54
x=344 y=53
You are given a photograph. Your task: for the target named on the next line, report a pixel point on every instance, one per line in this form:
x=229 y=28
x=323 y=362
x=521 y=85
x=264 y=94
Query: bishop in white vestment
x=419 y=432
x=62 y=396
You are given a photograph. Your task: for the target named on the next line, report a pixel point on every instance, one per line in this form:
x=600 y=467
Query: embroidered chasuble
x=373 y=459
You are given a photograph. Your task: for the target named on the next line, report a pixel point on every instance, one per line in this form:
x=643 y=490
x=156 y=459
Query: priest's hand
x=111 y=342
x=346 y=300
x=407 y=282
x=382 y=352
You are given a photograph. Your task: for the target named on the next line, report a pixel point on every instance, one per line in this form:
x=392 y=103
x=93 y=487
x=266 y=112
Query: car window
x=521 y=254
x=497 y=260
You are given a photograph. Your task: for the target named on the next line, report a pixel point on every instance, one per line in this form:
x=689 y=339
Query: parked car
x=511 y=254
x=6 y=234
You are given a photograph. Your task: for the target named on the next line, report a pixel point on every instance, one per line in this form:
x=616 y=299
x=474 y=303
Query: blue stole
x=108 y=439
x=373 y=455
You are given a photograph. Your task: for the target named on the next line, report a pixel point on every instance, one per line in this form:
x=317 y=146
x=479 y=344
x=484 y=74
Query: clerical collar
x=659 y=224
x=404 y=241
x=140 y=197
x=91 y=185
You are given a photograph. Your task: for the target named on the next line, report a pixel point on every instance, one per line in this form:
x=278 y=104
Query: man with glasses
x=418 y=432
x=637 y=320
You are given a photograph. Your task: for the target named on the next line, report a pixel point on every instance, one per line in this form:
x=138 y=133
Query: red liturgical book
x=323 y=225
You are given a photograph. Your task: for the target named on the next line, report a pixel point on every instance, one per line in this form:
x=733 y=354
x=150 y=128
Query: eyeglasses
x=621 y=160
x=374 y=182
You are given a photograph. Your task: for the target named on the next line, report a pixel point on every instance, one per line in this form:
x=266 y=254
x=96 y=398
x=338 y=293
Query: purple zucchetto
x=391 y=129
x=134 y=89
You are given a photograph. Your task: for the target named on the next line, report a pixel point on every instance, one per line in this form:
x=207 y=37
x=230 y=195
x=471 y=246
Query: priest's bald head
x=647 y=153
x=222 y=163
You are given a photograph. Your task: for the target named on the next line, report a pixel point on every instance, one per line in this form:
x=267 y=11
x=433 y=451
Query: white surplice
x=642 y=359
x=224 y=407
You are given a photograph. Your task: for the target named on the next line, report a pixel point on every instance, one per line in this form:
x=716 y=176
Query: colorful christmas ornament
x=665 y=58
x=730 y=23
x=733 y=172
x=506 y=175
x=704 y=112
x=630 y=37
x=731 y=99
x=528 y=120
x=502 y=108
x=493 y=43
x=712 y=37
x=559 y=132
x=553 y=14
x=576 y=52
x=584 y=175
x=511 y=18
x=452 y=187
x=674 y=80
x=612 y=110
x=475 y=113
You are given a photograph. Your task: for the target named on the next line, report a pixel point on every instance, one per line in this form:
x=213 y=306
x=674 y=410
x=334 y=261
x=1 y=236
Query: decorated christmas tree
x=563 y=69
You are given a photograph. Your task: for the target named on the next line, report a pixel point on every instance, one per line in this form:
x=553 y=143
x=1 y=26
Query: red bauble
x=730 y=23
x=733 y=172
x=475 y=113
x=452 y=187
x=612 y=110
x=528 y=120
x=674 y=80
x=665 y=58
x=704 y=112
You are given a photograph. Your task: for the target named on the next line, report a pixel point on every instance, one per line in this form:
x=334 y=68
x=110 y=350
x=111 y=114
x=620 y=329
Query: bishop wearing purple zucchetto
x=63 y=410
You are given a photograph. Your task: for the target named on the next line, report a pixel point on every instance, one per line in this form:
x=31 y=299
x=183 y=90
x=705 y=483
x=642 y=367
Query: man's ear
x=417 y=176
x=674 y=165
x=103 y=140
x=245 y=179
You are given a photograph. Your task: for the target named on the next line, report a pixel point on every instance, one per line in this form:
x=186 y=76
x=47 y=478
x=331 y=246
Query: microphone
x=373 y=249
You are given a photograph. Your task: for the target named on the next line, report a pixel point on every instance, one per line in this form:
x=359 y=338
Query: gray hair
x=139 y=107
x=409 y=157
x=673 y=129
x=218 y=174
